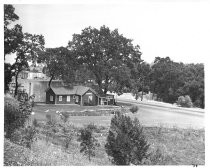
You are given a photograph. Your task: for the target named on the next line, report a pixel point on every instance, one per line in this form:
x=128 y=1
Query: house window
x=51 y=98
x=68 y=98
x=60 y=98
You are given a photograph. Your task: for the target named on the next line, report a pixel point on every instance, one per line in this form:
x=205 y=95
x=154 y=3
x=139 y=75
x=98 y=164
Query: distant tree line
x=170 y=79
x=103 y=56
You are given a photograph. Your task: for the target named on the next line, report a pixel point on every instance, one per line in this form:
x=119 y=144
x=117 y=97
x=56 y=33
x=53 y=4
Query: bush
x=28 y=136
x=134 y=109
x=92 y=127
x=24 y=136
x=126 y=143
x=88 y=142
x=15 y=114
x=65 y=116
x=35 y=123
x=157 y=157
x=185 y=101
x=52 y=119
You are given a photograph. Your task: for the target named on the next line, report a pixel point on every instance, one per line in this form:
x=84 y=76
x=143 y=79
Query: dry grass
x=46 y=154
x=168 y=146
x=178 y=146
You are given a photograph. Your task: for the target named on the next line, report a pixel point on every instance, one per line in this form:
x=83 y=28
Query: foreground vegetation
x=167 y=147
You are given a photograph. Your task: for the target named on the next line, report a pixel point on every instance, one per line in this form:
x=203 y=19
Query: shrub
x=28 y=136
x=95 y=128
x=185 y=101
x=156 y=157
x=88 y=142
x=35 y=123
x=51 y=119
x=126 y=143
x=24 y=136
x=15 y=114
x=92 y=127
x=65 y=116
x=67 y=140
x=134 y=109
x=68 y=134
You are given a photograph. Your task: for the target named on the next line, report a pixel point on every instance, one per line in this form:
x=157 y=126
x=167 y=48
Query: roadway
x=153 y=114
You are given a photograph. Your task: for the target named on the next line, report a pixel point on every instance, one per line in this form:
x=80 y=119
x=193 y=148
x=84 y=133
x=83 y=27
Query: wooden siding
x=48 y=94
x=86 y=101
x=64 y=99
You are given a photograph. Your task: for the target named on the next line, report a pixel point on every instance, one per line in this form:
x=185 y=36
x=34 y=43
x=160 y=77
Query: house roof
x=105 y=95
x=78 y=90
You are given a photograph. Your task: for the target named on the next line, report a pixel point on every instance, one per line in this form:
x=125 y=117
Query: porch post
x=98 y=100
x=81 y=101
x=55 y=99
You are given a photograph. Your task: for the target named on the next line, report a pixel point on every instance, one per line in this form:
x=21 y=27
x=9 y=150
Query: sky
x=178 y=29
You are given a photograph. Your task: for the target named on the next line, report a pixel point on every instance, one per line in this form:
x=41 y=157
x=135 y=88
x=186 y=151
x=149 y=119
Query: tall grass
x=168 y=146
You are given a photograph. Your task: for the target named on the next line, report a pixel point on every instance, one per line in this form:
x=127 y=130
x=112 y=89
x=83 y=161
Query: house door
x=90 y=99
x=77 y=101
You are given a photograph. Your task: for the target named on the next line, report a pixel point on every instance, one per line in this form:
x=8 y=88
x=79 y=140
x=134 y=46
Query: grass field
x=97 y=114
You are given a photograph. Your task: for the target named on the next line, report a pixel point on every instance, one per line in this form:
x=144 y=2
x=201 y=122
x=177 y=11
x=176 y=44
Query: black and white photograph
x=105 y=83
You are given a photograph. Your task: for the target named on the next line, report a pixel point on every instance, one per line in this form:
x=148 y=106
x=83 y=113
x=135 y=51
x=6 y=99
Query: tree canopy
x=12 y=34
x=60 y=64
x=107 y=54
x=170 y=79
x=140 y=79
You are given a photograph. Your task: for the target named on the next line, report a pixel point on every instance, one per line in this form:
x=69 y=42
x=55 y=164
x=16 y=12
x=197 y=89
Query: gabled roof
x=78 y=90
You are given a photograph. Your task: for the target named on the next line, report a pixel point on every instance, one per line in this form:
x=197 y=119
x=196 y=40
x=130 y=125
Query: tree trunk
x=98 y=81
x=106 y=84
x=100 y=86
x=142 y=92
x=49 y=84
x=89 y=157
x=136 y=97
x=16 y=84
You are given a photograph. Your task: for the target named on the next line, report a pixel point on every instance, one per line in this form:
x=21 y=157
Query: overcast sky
x=178 y=29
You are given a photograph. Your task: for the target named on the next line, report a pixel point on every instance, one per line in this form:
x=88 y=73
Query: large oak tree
x=108 y=55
